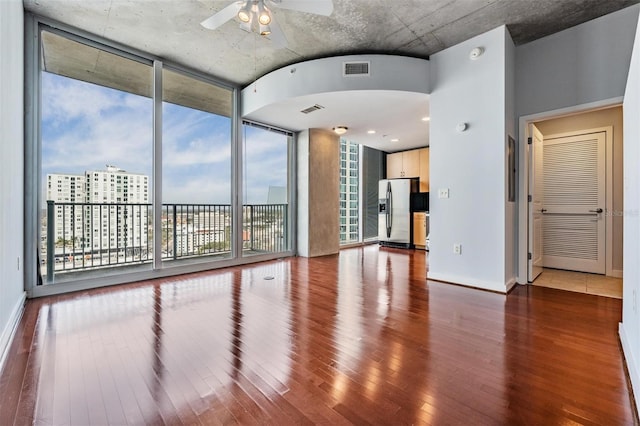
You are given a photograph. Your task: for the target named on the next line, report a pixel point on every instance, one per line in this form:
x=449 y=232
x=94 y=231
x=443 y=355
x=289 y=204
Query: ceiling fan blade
x=221 y=17
x=317 y=7
x=277 y=36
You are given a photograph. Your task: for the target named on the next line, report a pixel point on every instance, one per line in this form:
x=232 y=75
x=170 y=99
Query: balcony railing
x=85 y=236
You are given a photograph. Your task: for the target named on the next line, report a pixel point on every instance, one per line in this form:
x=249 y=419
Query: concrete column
x=318 y=193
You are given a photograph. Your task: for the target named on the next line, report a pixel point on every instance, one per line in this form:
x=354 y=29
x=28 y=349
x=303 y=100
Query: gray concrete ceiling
x=170 y=29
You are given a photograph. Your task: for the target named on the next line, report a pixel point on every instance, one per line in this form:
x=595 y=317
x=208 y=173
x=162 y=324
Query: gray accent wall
x=372 y=173
x=584 y=64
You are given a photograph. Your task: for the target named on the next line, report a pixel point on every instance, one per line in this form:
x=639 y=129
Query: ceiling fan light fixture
x=264 y=15
x=340 y=130
x=244 y=14
x=265 y=30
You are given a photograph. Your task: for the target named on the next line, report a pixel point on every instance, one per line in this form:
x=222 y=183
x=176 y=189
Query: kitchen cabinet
x=412 y=163
x=403 y=164
x=424 y=169
x=420 y=229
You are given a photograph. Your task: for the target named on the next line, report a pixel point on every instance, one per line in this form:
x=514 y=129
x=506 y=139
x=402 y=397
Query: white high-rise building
x=349 y=192
x=64 y=188
x=108 y=209
x=124 y=222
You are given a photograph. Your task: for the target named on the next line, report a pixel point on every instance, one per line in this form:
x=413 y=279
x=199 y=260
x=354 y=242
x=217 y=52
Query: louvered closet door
x=574 y=201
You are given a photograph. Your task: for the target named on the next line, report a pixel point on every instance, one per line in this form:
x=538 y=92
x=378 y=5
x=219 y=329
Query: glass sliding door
x=265 y=190
x=196 y=168
x=96 y=159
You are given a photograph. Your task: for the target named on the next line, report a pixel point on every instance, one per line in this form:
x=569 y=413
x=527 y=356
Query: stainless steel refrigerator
x=394 y=211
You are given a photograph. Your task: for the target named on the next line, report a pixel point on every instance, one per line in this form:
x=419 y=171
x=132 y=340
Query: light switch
x=443 y=193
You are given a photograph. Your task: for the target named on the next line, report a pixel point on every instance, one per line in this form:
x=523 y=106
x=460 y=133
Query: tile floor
x=580 y=282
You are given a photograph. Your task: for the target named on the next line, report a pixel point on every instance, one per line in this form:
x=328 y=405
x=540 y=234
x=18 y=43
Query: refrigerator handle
x=389 y=216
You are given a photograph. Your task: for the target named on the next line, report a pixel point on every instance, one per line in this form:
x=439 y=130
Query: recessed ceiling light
x=426 y=118
x=371 y=132
x=395 y=140
x=340 y=130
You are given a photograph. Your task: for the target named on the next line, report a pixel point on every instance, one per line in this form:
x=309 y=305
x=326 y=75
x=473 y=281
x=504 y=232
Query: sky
x=86 y=127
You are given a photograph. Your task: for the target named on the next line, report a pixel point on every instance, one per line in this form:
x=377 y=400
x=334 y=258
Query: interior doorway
x=580 y=221
x=574 y=223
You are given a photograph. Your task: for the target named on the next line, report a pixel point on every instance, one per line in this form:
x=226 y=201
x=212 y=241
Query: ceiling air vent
x=356 y=69
x=311 y=109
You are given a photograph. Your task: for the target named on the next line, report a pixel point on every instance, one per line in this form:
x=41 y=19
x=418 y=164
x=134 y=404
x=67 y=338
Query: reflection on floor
x=580 y=282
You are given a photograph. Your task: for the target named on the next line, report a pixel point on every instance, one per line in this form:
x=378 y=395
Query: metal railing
x=83 y=236
x=195 y=230
x=264 y=227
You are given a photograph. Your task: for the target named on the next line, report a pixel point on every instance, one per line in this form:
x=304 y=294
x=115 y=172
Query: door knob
x=543 y=210
x=596 y=211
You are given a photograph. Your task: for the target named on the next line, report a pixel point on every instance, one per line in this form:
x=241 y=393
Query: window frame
x=34 y=24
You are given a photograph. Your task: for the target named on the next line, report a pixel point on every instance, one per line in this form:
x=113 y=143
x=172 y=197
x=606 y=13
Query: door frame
x=523 y=180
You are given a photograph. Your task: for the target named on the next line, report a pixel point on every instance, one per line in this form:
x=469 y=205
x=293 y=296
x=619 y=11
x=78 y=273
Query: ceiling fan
x=257 y=14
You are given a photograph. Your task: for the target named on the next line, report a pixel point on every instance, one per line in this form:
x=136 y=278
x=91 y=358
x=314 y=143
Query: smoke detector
x=475 y=53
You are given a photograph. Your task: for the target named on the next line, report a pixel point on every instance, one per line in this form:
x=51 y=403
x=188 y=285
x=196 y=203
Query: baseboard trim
x=617 y=273
x=469 y=282
x=9 y=331
x=511 y=284
x=631 y=366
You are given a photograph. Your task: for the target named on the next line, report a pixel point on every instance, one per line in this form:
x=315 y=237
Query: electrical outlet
x=457 y=248
x=443 y=193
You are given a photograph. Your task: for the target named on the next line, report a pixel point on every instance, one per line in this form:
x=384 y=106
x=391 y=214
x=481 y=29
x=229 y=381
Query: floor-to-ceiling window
x=96 y=158
x=360 y=171
x=265 y=192
x=196 y=168
x=135 y=167
x=349 y=192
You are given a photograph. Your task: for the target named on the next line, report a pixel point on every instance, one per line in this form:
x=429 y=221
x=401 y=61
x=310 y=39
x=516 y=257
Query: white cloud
x=86 y=127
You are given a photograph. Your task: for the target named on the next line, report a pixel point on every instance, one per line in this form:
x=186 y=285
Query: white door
x=574 y=200
x=536 y=202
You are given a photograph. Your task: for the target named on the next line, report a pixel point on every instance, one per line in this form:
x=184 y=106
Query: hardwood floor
x=356 y=338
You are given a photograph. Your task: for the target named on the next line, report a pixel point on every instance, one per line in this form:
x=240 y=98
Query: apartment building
x=349 y=191
x=97 y=212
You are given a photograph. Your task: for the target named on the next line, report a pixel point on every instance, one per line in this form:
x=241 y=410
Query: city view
x=97 y=183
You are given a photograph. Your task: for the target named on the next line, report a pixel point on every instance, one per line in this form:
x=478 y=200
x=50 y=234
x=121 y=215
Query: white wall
x=302 y=188
x=583 y=64
x=11 y=172
x=630 y=326
x=325 y=75
x=470 y=164
x=511 y=208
